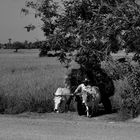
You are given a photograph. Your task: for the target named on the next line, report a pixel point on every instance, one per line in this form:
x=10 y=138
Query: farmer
x=84 y=87
x=89 y=96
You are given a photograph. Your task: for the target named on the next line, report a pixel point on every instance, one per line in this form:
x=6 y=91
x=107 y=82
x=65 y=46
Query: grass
x=27 y=81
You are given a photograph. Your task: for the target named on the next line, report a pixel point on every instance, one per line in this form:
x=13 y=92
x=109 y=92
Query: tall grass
x=28 y=82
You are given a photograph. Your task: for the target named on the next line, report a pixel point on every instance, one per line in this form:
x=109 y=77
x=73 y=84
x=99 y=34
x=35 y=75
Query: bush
x=2 y=101
x=44 y=50
x=117 y=70
x=127 y=78
x=131 y=95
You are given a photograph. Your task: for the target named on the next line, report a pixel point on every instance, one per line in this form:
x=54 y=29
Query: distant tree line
x=41 y=45
x=21 y=45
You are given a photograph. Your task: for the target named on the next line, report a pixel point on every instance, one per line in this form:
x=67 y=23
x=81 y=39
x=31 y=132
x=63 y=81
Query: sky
x=12 y=23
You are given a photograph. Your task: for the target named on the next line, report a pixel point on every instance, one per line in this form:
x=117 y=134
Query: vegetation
x=131 y=95
x=17 y=45
x=93 y=29
x=28 y=82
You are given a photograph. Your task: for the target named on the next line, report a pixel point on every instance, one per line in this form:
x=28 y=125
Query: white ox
x=91 y=99
x=61 y=94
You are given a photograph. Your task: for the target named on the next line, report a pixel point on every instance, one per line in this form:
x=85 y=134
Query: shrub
x=127 y=78
x=2 y=101
x=117 y=70
x=44 y=50
x=131 y=95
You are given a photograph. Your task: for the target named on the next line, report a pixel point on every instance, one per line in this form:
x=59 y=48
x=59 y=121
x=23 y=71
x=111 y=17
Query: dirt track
x=67 y=126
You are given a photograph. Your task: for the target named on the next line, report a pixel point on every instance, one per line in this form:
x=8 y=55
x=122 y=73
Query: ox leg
x=87 y=110
x=65 y=104
x=91 y=111
x=94 y=110
x=81 y=109
x=69 y=102
x=107 y=105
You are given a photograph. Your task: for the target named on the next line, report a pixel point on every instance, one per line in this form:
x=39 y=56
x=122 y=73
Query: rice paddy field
x=27 y=82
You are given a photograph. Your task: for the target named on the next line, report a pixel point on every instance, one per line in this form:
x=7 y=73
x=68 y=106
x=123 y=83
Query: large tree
x=91 y=28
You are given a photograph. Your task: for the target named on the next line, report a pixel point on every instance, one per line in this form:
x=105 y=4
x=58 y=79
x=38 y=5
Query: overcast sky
x=12 y=22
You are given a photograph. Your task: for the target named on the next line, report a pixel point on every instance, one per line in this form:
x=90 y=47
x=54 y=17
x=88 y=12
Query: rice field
x=28 y=81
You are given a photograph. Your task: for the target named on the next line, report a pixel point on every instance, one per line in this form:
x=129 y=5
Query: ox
x=90 y=99
x=62 y=94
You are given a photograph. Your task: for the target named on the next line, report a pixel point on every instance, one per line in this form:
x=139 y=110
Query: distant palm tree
x=10 y=41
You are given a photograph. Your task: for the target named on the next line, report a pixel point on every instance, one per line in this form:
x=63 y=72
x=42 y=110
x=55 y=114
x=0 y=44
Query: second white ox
x=91 y=99
x=61 y=94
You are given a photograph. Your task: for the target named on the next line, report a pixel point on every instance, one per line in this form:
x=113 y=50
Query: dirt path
x=67 y=126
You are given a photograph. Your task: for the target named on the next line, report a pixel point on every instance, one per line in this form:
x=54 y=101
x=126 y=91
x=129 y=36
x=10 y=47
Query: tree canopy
x=92 y=29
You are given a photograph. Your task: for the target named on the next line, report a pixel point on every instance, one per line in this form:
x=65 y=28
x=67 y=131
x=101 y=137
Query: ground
x=65 y=126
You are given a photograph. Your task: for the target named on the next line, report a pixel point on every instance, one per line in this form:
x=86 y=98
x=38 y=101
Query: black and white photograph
x=69 y=69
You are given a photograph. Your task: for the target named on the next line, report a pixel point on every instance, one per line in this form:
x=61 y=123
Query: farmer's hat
x=86 y=80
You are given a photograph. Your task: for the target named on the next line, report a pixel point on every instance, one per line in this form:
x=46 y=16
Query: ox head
x=57 y=102
x=60 y=95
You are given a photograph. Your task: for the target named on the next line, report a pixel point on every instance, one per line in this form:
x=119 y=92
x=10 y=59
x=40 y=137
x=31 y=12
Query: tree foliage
x=130 y=96
x=18 y=45
x=92 y=28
